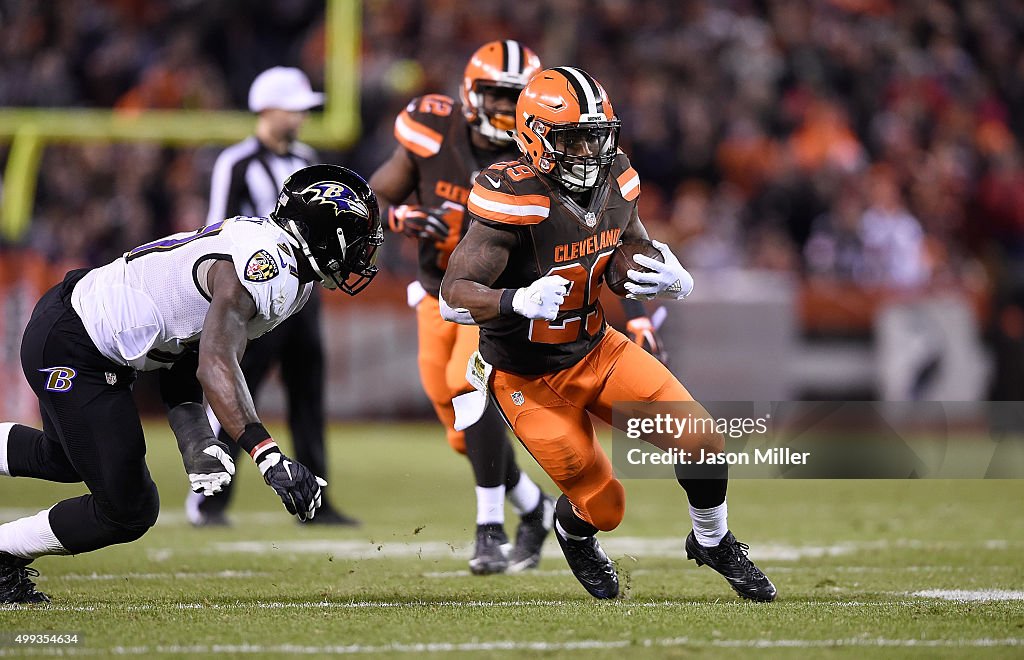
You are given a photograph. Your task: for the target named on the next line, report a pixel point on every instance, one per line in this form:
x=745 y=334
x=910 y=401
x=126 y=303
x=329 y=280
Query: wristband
x=255 y=440
x=505 y=307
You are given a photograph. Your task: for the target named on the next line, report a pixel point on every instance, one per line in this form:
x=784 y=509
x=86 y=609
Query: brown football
x=622 y=261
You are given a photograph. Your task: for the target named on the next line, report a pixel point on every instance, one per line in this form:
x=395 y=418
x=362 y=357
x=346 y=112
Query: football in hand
x=621 y=263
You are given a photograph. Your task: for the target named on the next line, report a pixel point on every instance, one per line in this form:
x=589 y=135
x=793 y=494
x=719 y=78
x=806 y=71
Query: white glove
x=541 y=299
x=212 y=482
x=666 y=280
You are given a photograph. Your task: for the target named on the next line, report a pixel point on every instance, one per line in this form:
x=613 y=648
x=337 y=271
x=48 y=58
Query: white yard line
x=616 y=547
x=972 y=595
x=180 y=575
x=767 y=568
x=513 y=645
x=433 y=604
x=903 y=599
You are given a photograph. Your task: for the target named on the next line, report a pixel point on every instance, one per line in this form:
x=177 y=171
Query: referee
x=246 y=180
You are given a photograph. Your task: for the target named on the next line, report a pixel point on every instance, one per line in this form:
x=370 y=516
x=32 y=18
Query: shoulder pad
x=422 y=125
x=626 y=178
x=509 y=193
x=263 y=264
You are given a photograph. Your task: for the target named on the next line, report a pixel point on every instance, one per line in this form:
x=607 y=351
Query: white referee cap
x=283 y=88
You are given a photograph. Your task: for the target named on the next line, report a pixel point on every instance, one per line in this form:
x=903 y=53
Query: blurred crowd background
x=871 y=149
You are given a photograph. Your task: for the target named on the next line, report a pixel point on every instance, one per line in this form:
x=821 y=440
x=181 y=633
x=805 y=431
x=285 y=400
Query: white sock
x=566 y=535
x=5 y=434
x=710 y=525
x=525 y=495
x=490 y=505
x=30 y=537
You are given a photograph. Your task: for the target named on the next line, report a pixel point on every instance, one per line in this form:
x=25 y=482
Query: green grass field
x=862 y=568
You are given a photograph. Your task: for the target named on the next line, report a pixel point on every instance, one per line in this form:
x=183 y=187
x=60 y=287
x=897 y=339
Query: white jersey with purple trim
x=144 y=309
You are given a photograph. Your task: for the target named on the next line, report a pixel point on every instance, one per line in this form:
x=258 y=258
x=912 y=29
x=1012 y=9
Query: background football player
x=226 y=284
x=442 y=144
x=555 y=360
x=246 y=179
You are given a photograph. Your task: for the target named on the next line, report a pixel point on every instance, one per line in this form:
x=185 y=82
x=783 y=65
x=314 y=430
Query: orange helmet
x=566 y=127
x=498 y=69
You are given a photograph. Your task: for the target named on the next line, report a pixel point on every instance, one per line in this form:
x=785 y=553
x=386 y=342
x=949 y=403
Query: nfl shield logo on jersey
x=261 y=267
x=517 y=398
x=590 y=218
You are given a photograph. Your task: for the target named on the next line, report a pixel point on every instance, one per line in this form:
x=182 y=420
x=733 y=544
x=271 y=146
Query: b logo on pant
x=60 y=378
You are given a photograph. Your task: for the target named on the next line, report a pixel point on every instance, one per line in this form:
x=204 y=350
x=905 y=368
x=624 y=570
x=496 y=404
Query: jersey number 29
x=583 y=293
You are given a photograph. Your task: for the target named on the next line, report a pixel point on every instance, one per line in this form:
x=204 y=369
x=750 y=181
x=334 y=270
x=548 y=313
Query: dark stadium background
x=843 y=177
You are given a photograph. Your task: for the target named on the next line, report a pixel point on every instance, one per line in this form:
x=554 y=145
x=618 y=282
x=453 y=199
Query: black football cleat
x=591 y=566
x=15 y=586
x=729 y=558
x=491 y=553
x=533 y=528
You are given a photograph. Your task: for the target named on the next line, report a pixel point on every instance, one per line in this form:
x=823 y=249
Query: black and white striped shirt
x=247 y=178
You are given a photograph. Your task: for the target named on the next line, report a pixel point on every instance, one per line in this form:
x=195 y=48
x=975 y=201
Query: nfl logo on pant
x=111 y=377
x=517 y=398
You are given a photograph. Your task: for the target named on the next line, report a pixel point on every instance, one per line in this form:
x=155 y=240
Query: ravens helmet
x=331 y=216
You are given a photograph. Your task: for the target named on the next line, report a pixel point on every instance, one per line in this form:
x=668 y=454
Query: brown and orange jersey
x=434 y=132
x=555 y=236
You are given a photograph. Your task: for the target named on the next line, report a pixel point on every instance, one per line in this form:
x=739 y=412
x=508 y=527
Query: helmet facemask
x=578 y=155
x=361 y=264
x=316 y=218
x=356 y=268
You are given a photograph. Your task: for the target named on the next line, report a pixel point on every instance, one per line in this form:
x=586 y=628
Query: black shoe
x=729 y=558
x=15 y=586
x=491 y=554
x=328 y=515
x=591 y=566
x=533 y=528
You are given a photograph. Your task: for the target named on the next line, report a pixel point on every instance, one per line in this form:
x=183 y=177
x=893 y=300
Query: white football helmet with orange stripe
x=499 y=69
x=566 y=126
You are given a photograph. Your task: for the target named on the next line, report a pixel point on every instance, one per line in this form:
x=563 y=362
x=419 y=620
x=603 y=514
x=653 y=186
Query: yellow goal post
x=29 y=130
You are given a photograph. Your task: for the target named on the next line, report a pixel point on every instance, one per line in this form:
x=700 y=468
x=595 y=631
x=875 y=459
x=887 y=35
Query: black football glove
x=418 y=222
x=642 y=331
x=298 y=488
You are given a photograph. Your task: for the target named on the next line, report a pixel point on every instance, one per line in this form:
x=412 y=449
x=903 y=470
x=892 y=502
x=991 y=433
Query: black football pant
x=297 y=347
x=91 y=430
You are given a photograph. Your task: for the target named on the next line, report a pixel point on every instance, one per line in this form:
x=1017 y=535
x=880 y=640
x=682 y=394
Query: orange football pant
x=553 y=422
x=444 y=351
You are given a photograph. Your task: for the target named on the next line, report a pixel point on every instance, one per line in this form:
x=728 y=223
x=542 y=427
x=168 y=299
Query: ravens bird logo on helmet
x=337 y=196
